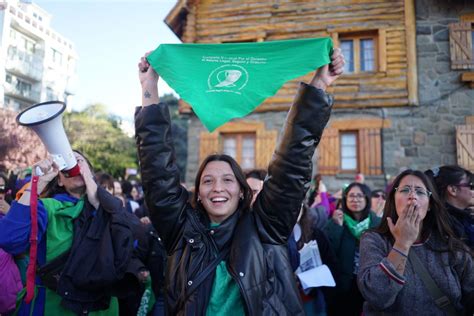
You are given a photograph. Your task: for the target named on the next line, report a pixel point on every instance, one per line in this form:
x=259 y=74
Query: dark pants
x=347 y=303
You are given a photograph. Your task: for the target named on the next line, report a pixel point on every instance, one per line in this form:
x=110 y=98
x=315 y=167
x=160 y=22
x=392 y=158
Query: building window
x=360 y=51
x=23 y=88
x=348 y=149
x=8 y=78
x=50 y=94
x=241 y=147
x=358 y=149
x=347 y=48
x=56 y=57
x=248 y=142
x=367 y=55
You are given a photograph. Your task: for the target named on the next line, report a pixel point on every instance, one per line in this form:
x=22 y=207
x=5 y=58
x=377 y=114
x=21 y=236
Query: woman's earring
x=241 y=196
x=199 y=199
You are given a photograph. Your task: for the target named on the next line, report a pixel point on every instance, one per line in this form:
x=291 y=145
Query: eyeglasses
x=378 y=195
x=420 y=192
x=467 y=185
x=356 y=196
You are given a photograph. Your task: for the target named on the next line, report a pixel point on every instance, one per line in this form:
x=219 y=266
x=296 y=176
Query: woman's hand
x=91 y=185
x=327 y=74
x=407 y=228
x=4 y=206
x=338 y=217
x=149 y=82
x=46 y=170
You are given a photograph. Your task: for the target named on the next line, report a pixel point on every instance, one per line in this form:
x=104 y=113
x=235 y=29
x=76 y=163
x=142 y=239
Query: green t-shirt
x=226 y=299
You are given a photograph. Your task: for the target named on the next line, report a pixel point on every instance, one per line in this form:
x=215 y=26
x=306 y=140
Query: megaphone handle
x=38 y=171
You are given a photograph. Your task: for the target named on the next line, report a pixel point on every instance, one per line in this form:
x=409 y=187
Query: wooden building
x=382 y=122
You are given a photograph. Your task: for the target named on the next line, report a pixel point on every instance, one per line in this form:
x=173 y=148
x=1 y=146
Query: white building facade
x=37 y=64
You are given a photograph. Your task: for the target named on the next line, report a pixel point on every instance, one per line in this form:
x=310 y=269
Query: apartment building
x=37 y=63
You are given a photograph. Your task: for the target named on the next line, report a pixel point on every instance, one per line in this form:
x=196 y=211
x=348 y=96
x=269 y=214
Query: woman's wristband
x=399 y=252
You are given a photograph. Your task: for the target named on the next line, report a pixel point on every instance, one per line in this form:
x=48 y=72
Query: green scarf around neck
x=226 y=81
x=356 y=228
x=59 y=234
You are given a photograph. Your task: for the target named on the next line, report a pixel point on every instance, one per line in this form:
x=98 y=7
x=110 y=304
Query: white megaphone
x=46 y=120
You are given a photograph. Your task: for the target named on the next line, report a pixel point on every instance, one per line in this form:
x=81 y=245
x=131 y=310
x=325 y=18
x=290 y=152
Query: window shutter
x=465 y=146
x=329 y=152
x=265 y=145
x=460 y=43
x=370 y=151
x=209 y=144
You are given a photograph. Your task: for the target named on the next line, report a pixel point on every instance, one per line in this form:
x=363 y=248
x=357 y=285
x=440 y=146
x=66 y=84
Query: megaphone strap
x=31 y=270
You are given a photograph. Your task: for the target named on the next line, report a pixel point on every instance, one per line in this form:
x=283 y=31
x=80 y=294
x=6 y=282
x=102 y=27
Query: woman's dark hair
x=436 y=220
x=105 y=180
x=53 y=186
x=258 y=174
x=314 y=189
x=244 y=204
x=445 y=176
x=367 y=194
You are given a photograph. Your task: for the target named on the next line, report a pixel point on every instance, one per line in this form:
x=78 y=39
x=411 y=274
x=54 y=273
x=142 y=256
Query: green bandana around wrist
x=226 y=81
x=356 y=228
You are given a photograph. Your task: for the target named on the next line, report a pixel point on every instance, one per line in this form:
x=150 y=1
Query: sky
x=109 y=38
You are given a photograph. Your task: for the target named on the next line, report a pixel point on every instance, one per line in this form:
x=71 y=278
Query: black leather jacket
x=258 y=259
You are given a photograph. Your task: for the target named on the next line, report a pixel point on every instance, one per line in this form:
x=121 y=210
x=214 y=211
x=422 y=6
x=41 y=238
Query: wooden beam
x=412 y=76
x=241 y=127
x=355 y=124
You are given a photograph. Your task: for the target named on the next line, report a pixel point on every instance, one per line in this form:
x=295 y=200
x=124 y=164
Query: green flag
x=226 y=81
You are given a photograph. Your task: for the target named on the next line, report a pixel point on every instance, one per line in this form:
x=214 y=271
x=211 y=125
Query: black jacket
x=462 y=224
x=258 y=259
x=102 y=262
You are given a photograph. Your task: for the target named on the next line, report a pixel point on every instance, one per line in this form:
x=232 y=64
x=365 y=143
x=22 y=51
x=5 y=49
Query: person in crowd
x=105 y=181
x=10 y=279
x=136 y=193
x=255 y=178
x=415 y=227
x=344 y=231
x=377 y=202
x=455 y=187
x=130 y=205
x=84 y=237
x=306 y=230
x=4 y=205
x=118 y=189
x=224 y=259
x=359 y=178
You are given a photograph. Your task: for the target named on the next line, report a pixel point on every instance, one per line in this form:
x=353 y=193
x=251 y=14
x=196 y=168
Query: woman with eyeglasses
x=455 y=187
x=415 y=223
x=344 y=231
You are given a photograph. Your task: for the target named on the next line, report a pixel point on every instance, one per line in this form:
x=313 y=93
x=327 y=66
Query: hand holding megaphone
x=46 y=170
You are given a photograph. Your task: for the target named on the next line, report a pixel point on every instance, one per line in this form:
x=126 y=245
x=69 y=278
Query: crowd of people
x=233 y=245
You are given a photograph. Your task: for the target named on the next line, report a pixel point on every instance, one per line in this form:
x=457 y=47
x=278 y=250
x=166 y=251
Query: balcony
x=28 y=95
x=24 y=64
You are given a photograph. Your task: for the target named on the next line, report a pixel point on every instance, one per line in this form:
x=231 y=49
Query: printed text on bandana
x=231 y=76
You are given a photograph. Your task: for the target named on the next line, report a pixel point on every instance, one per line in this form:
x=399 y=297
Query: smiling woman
x=221 y=188
x=225 y=257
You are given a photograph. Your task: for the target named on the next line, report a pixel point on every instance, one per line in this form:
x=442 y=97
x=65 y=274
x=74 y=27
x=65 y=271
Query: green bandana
x=356 y=228
x=226 y=81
